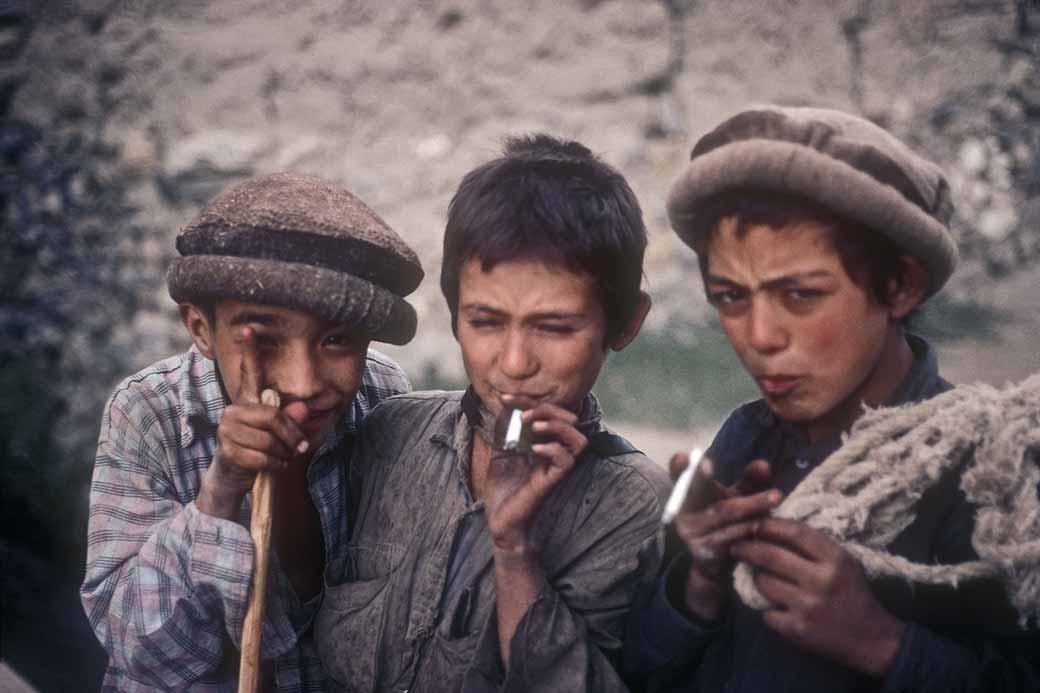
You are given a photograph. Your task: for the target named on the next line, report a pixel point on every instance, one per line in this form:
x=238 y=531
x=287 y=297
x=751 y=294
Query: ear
x=631 y=329
x=202 y=333
x=906 y=295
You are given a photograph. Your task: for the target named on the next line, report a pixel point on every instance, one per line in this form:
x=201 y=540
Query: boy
x=817 y=234
x=283 y=282
x=470 y=569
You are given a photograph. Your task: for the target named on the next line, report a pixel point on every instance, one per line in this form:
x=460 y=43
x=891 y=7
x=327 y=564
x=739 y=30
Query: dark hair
x=551 y=200
x=871 y=260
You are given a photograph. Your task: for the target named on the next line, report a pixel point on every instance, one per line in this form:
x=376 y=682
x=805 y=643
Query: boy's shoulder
x=160 y=409
x=626 y=465
x=170 y=380
x=416 y=406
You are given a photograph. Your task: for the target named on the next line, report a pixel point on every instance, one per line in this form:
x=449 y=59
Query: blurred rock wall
x=397 y=100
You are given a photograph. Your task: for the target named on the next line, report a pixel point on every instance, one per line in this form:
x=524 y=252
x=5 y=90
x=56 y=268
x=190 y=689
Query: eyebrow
x=254 y=318
x=782 y=282
x=547 y=315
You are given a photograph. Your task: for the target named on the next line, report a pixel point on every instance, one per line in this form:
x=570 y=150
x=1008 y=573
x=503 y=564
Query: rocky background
x=119 y=119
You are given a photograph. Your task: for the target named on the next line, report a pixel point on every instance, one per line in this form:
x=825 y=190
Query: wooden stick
x=260 y=531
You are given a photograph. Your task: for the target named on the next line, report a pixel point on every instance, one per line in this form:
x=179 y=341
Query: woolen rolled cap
x=300 y=242
x=840 y=161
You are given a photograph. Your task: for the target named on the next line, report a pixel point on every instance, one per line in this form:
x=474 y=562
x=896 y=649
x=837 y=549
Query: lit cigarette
x=682 y=487
x=515 y=430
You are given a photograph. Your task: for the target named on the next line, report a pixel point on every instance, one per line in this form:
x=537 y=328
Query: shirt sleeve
x=660 y=642
x=166 y=586
x=570 y=637
x=930 y=662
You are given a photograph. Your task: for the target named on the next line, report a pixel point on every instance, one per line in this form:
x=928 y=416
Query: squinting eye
x=482 y=323
x=725 y=298
x=339 y=340
x=264 y=341
x=803 y=294
x=557 y=329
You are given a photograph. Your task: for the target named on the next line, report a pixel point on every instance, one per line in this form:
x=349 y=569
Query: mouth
x=522 y=400
x=777 y=385
x=318 y=418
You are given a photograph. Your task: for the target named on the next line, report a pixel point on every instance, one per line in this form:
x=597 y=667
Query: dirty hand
x=517 y=483
x=251 y=437
x=821 y=600
x=713 y=518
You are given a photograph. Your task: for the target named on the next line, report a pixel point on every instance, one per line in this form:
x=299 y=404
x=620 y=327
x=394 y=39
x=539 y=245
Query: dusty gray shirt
x=412 y=605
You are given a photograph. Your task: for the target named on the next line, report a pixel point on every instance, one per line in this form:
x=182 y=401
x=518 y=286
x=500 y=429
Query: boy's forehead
x=535 y=279
x=799 y=247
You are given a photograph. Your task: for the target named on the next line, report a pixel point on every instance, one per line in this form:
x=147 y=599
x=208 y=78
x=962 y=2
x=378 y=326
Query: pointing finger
x=250 y=379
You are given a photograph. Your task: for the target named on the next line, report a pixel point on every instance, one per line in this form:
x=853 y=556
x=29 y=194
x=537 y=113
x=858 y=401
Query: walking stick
x=260 y=531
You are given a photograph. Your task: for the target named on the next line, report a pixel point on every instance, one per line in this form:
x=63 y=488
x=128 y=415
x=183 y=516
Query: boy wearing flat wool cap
x=818 y=234
x=283 y=282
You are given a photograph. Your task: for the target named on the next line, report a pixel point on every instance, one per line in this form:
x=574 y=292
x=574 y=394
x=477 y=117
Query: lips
x=317 y=418
x=523 y=400
x=777 y=385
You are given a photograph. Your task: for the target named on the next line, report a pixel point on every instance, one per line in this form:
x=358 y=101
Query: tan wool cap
x=840 y=161
x=300 y=242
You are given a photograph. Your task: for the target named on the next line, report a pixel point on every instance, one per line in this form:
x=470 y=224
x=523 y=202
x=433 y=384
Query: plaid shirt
x=166 y=585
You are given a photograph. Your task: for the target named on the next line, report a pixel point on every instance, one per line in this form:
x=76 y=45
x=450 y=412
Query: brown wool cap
x=299 y=242
x=840 y=161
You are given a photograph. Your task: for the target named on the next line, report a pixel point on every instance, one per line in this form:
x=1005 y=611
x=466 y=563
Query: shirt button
x=801 y=464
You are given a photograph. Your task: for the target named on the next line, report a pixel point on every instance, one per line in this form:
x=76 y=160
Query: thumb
x=297 y=411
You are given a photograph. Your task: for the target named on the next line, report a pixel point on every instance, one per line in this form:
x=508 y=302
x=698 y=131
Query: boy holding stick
x=283 y=282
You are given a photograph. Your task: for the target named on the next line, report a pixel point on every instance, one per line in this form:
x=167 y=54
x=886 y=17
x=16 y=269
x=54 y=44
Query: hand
x=821 y=599
x=518 y=483
x=251 y=437
x=713 y=518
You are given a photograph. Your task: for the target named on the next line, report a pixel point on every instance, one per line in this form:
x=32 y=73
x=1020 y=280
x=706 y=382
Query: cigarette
x=682 y=487
x=514 y=431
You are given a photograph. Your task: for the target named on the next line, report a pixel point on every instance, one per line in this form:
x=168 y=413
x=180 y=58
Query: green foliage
x=674 y=378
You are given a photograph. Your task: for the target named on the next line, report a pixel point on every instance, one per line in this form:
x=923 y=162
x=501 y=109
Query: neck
x=892 y=366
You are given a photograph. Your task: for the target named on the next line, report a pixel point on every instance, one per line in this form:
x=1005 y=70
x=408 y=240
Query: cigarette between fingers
x=682 y=487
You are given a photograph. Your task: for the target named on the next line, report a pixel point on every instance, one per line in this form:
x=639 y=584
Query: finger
x=778 y=560
x=677 y=464
x=250 y=378
x=258 y=439
x=805 y=540
x=546 y=411
x=737 y=509
x=252 y=460
x=710 y=552
x=555 y=430
x=756 y=477
x=268 y=419
x=556 y=454
x=704 y=489
x=789 y=623
x=779 y=592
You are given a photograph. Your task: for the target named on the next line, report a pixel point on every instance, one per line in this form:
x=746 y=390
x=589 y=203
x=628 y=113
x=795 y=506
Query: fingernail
x=539 y=447
x=303 y=447
x=540 y=425
x=774 y=497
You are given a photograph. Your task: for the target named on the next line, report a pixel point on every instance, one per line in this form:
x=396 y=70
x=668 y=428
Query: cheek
x=345 y=373
x=847 y=345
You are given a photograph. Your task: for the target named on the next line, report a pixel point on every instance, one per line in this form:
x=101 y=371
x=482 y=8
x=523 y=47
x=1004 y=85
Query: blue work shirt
x=957 y=639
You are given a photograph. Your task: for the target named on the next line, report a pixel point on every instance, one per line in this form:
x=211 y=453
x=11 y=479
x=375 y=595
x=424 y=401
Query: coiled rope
x=865 y=493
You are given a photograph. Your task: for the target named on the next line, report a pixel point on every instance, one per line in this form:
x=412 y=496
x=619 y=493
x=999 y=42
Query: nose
x=517 y=361
x=297 y=374
x=766 y=332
